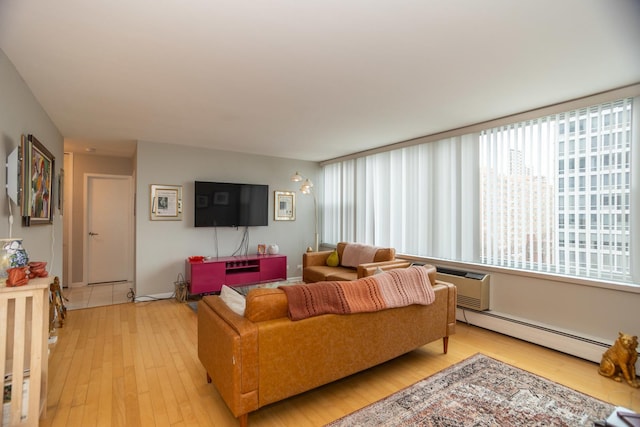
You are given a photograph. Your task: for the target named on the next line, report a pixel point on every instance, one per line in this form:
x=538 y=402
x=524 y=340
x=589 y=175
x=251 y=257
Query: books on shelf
x=7 y=397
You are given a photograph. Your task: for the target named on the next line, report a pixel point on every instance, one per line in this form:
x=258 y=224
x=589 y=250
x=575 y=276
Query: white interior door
x=108 y=229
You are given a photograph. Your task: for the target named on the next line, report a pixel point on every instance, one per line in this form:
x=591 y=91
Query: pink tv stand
x=209 y=275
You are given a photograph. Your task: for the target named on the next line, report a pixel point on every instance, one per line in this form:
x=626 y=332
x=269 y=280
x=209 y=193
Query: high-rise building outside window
x=553 y=194
x=545 y=185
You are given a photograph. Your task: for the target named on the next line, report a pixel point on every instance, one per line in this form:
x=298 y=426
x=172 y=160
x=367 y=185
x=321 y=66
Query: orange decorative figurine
x=17 y=276
x=619 y=361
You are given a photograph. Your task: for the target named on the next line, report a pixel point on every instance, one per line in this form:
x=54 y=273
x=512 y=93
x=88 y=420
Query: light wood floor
x=137 y=365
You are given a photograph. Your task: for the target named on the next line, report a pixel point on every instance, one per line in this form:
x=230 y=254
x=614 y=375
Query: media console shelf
x=209 y=275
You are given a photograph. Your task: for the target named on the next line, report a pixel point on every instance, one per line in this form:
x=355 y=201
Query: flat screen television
x=224 y=204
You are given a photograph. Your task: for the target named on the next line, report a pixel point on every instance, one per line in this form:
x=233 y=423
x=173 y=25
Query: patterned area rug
x=481 y=391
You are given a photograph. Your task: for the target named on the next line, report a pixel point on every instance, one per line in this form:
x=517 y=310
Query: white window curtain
x=555 y=194
x=419 y=200
x=517 y=181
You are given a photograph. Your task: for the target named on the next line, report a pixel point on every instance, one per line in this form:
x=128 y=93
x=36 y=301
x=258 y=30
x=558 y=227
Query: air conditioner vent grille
x=473 y=288
x=470 y=302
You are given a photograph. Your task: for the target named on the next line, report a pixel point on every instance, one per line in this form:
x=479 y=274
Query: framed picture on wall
x=39 y=166
x=284 y=206
x=166 y=202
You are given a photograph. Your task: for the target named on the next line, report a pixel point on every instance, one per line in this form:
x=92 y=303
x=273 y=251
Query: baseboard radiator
x=561 y=340
x=473 y=309
x=473 y=288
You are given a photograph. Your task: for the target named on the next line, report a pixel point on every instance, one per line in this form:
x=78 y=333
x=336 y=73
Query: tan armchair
x=315 y=268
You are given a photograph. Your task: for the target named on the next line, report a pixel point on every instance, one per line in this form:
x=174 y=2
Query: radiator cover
x=473 y=288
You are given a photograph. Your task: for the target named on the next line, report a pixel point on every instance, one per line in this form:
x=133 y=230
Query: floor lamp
x=307 y=188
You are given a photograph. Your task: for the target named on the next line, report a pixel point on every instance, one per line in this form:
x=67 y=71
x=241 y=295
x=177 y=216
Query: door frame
x=85 y=211
x=67 y=218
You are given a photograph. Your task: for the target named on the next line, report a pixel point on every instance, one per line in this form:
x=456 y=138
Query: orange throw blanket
x=395 y=288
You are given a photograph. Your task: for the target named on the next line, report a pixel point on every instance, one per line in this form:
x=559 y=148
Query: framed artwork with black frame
x=38 y=174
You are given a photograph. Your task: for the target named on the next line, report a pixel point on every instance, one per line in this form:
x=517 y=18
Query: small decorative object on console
x=17 y=276
x=12 y=254
x=619 y=361
x=37 y=269
x=273 y=249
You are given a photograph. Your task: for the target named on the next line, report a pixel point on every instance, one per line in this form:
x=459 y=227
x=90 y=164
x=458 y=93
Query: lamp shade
x=306 y=187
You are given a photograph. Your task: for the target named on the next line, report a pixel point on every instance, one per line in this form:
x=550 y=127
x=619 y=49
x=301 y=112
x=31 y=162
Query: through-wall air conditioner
x=473 y=288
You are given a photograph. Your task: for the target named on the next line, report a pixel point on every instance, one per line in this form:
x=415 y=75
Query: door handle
x=91 y=233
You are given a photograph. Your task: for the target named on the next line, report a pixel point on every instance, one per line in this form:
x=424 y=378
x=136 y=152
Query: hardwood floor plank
x=90 y=415
x=76 y=415
x=131 y=397
x=137 y=365
x=147 y=415
x=118 y=406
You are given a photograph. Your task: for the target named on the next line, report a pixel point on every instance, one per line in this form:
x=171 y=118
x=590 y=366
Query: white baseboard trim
x=154 y=297
x=584 y=347
x=587 y=348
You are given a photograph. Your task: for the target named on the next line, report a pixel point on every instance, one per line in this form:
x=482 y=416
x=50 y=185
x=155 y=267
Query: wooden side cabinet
x=24 y=324
x=209 y=275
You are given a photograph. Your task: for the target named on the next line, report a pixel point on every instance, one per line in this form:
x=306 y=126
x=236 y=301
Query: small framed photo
x=166 y=202
x=284 y=206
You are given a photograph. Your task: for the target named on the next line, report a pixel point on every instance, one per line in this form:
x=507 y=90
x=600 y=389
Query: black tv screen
x=224 y=204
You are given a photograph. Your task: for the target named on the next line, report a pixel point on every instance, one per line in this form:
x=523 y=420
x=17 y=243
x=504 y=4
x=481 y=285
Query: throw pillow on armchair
x=333 y=260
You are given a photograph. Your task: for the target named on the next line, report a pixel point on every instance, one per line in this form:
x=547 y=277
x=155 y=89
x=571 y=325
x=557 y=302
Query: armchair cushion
x=379 y=254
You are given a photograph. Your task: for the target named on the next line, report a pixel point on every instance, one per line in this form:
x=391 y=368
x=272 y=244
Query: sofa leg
x=208 y=378
x=244 y=420
x=445 y=343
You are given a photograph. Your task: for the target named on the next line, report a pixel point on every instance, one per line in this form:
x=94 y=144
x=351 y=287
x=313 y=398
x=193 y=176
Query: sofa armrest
x=228 y=350
x=370 y=268
x=452 y=302
x=310 y=259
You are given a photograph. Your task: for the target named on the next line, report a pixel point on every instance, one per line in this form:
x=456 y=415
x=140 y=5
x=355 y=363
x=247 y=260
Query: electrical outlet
x=299 y=266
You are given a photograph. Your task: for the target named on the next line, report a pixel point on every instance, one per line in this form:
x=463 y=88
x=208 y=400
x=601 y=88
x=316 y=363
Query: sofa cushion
x=266 y=304
x=320 y=273
x=233 y=299
x=342 y=274
x=355 y=254
x=381 y=254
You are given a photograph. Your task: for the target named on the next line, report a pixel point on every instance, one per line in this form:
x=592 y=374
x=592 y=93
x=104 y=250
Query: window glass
x=518 y=193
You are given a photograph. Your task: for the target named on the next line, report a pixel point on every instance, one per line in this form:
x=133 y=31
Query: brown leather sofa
x=315 y=268
x=263 y=356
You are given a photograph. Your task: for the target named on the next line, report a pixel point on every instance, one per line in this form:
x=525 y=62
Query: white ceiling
x=308 y=79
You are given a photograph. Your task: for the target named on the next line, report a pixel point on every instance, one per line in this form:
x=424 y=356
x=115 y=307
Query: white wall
x=163 y=246
x=20 y=113
x=593 y=312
